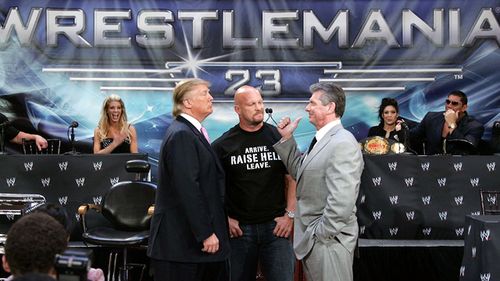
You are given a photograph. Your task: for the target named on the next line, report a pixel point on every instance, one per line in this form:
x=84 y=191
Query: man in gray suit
x=328 y=178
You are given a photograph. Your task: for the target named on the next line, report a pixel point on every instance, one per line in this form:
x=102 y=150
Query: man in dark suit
x=15 y=136
x=189 y=233
x=439 y=128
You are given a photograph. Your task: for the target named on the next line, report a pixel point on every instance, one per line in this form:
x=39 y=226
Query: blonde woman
x=113 y=133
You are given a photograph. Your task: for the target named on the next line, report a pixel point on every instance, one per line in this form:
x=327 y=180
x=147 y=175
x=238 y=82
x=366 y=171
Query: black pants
x=182 y=271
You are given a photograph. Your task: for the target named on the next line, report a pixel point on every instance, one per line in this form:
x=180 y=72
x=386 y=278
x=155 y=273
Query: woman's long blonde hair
x=104 y=123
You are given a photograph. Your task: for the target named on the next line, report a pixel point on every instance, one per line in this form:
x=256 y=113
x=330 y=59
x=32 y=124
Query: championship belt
x=376 y=145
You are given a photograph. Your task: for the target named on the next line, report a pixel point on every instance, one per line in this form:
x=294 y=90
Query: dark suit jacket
x=189 y=201
x=430 y=129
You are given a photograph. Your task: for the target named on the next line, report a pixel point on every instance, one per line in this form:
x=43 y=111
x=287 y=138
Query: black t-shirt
x=255 y=175
x=9 y=131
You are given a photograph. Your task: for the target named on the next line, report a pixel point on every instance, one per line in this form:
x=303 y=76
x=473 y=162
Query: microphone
x=404 y=125
x=73 y=124
x=269 y=112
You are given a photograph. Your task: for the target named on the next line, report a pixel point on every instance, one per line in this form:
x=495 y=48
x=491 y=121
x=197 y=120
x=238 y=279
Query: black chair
x=489 y=202
x=53 y=147
x=128 y=207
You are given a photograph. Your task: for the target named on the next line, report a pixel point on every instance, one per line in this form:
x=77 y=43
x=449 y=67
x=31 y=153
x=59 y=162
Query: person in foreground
x=15 y=136
x=113 y=133
x=328 y=178
x=32 y=244
x=390 y=125
x=189 y=238
x=452 y=124
x=260 y=194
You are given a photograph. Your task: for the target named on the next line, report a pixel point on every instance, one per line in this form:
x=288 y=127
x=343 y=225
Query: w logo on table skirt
x=28 y=166
x=492 y=199
x=427 y=231
x=425 y=166
x=63 y=200
x=410 y=215
x=114 y=181
x=485 y=276
x=97 y=200
x=10 y=182
x=426 y=200
x=474 y=181
x=409 y=182
x=45 y=182
x=485 y=235
x=393 y=231
x=80 y=182
x=393 y=166
x=63 y=165
x=458 y=166
x=459 y=200
x=443 y=215
x=459 y=231
x=377 y=215
x=376 y=181
x=394 y=199
x=441 y=182
x=97 y=165
x=491 y=166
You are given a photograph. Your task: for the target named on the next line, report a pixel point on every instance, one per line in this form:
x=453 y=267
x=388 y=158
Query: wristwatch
x=452 y=126
x=290 y=214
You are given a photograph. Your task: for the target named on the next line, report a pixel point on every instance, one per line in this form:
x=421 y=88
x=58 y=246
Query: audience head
x=457 y=101
x=112 y=112
x=326 y=104
x=249 y=106
x=59 y=213
x=32 y=244
x=192 y=96
x=388 y=112
x=34 y=277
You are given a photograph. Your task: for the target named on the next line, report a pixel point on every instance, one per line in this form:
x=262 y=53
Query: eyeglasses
x=454 y=103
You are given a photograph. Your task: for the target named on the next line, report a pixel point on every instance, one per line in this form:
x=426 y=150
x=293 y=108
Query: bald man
x=260 y=195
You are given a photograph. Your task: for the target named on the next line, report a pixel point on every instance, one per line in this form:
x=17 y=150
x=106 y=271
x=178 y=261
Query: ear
x=186 y=103
x=332 y=107
x=464 y=107
x=5 y=264
x=237 y=109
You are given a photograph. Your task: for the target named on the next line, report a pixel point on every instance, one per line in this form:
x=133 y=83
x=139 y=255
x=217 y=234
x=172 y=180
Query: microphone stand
x=72 y=142
x=269 y=112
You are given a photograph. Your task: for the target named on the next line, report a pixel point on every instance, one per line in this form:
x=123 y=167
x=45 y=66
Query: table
x=422 y=197
x=69 y=180
x=481 y=249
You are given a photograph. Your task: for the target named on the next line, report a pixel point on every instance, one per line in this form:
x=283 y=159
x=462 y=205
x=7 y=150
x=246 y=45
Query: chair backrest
x=126 y=204
x=53 y=147
x=489 y=202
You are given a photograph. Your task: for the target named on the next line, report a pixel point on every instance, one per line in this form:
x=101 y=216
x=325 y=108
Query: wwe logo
x=492 y=199
x=363 y=198
x=97 y=200
x=473 y=252
x=394 y=199
x=457 y=166
x=28 y=166
x=476 y=213
x=63 y=165
x=485 y=276
x=377 y=181
x=45 y=182
x=114 y=181
x=377 y=215
x=409 y=182
x=491 y=166
x=426 y=199
x=97 y=165
x=392 y=166
x=427 y=231
x=441 y=182
x=10 y=217
x=362 y=229
x=425 y=166
x=485 y=235
x=10 y=182
x=474 y=181
x=443 y=215
x=410 y=215
x=459 y=200
x=393 y=231
x=80 y=182
x=462 y=270
x=459 y=231
x=63 y=200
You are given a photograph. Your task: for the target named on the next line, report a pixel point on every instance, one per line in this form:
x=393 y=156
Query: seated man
x=15 y=136
x=32 y=244
x=452 y=124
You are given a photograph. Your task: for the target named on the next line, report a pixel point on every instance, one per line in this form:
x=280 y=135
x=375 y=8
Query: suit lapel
x=317 y=149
